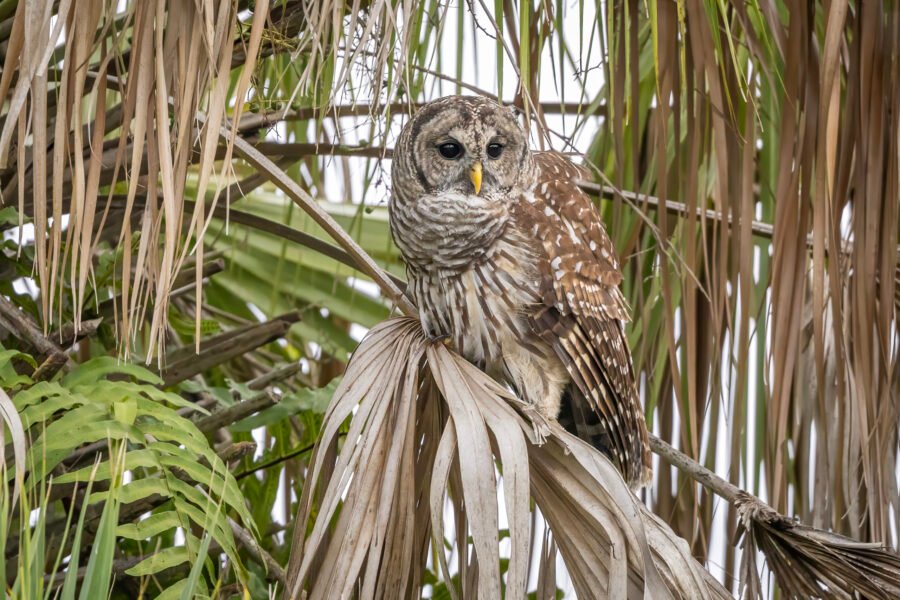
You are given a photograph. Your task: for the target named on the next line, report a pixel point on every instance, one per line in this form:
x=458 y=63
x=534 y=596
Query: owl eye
x=494 y=150
x=450 y=150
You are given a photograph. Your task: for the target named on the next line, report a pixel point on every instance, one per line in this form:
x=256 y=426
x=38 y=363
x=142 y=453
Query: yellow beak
x=475 y=176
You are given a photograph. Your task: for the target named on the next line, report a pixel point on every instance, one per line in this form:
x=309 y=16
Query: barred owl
x=508 y=259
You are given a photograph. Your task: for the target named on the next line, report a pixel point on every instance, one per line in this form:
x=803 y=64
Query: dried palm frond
x=427 y=424
x=812 y=563
x=156 y=63
x=806 y=562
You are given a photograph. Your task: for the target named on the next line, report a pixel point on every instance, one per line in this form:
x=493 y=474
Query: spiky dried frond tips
x=360 y=525
x=806 y=562
x=811 y=563
x=427 y=426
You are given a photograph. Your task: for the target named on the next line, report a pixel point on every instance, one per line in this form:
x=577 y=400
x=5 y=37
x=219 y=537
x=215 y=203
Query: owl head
x=462 y=145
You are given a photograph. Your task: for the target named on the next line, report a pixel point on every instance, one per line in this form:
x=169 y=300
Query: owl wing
x=582 y=315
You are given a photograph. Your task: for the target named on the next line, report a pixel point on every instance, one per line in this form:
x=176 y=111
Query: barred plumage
x=518 y=272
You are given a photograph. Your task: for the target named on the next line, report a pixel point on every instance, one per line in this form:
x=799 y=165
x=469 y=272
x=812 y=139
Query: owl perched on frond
x=509 y=260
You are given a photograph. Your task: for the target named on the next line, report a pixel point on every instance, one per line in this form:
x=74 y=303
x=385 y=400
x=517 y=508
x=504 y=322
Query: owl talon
x=444 y=339
x=539 y=424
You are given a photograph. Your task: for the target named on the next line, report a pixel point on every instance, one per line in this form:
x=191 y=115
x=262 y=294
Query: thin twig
x=277 y=461
x=278 y=374
x=268 y=118
x=20 y=324
x=759 y=228
x=275 y=570
x=696 y=471
x=366 y=264
x=294 y=150
x=237 y=411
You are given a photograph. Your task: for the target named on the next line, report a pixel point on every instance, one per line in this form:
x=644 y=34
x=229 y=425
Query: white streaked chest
x=448 y=230
x=483 y=309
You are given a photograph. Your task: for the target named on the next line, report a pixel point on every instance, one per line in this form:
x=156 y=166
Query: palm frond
x=812 y=563
x=424 y=424
x=807 y=562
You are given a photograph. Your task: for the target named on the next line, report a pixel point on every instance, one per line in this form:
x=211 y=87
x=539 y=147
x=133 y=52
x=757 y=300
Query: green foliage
x=175 y=478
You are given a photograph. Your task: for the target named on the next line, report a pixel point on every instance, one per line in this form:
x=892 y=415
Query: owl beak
x=475 y=176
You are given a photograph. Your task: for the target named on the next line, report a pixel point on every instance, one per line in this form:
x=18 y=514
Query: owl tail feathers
x=578 y=418
x=646 y=473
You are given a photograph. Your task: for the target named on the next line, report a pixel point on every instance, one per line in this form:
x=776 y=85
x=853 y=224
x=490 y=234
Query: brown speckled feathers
x=583 y=313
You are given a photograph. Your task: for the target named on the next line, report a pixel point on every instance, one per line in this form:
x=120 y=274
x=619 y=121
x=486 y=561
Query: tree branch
x=184 y=363
x=679 y=209
x=695 y=470
x=236 y=412
x=19 y=323
x=275 y=570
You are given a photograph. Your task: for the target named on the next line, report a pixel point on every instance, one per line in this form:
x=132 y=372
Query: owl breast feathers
x=508 y=258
